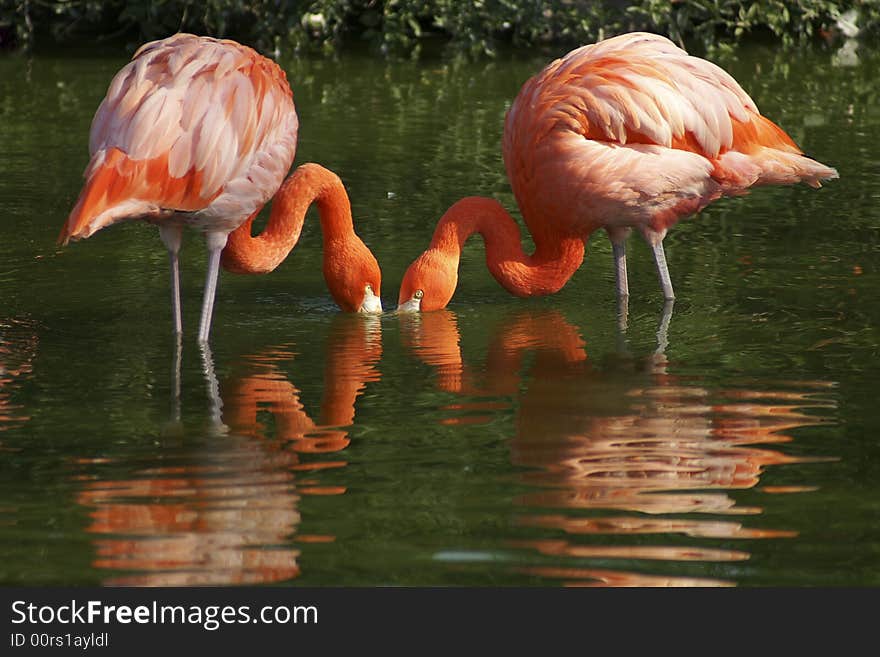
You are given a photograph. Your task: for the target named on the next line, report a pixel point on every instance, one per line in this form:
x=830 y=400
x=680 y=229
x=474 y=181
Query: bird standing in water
x=201 y=132
x=630 y=132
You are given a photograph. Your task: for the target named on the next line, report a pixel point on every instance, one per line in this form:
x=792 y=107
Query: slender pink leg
x=663 y=271
x=618 y=237
x=172 y=236
x=216 y=241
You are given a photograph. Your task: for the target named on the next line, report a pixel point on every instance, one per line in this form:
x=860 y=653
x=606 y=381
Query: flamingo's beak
x=372 y=303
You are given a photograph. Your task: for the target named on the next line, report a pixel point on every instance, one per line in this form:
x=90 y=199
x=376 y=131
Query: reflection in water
x=228 y=514
x=622 y=447
x=18 y=348
x=352 y=352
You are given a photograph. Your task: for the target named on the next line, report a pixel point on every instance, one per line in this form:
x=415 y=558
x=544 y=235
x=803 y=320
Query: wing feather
x=640 y=131
x=184 y=119
x=641 y=88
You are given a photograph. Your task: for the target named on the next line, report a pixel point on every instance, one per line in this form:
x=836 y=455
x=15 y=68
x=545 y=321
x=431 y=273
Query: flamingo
x=201 y=132
x=630 y=132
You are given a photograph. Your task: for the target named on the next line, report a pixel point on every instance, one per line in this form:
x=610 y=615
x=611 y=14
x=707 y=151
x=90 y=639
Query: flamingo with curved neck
x=201 y=132
x=630 y=132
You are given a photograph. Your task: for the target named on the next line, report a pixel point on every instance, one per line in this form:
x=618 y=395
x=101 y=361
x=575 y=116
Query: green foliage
x=404 y=25
x=704 y=20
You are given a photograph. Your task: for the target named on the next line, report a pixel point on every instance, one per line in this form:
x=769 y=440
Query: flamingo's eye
x=419 y=294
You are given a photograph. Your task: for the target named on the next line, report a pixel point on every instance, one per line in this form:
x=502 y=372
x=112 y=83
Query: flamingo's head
x=353 y=277
x=429 y=283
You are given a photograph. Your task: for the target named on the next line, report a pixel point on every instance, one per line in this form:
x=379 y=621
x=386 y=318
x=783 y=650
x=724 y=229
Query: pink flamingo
x=201 y=132
x=631 y=132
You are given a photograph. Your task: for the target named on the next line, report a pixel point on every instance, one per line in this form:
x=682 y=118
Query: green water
x=501 y=442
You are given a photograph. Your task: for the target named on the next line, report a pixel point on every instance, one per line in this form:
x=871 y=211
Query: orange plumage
x=201 y=132
x=630 y=132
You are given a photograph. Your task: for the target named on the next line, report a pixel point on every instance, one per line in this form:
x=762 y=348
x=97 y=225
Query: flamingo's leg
x=172 y=236
x=655 y=239
x=663 y=271
x=620 y=268
x=618 y=237
x=622 y=313
x=216 y=241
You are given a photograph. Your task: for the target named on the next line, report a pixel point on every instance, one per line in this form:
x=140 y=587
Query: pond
x=731 y=441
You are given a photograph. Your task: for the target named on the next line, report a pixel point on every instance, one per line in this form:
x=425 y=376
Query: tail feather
x=790 y=168
x=764 y=154
x=101 y=189
x=816 y=172
x=759 y=132
x=768 y=166
x=119 y=188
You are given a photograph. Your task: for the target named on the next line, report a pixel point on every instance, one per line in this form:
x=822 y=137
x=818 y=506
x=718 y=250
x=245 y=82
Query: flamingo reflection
x=229 y=514
x=620 y=447
x=18 y=348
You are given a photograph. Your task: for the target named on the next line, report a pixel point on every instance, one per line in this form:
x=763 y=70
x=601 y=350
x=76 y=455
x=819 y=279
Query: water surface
x=500 y=442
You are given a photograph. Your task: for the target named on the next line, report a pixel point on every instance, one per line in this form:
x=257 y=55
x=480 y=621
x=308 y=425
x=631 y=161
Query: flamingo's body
x=631 y=132
x=201 y=132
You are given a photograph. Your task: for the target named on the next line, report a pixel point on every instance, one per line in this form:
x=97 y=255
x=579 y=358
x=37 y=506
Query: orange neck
x=247 y=254
x=554 y=261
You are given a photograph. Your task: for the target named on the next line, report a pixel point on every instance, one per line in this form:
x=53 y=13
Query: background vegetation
x=404 y=26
